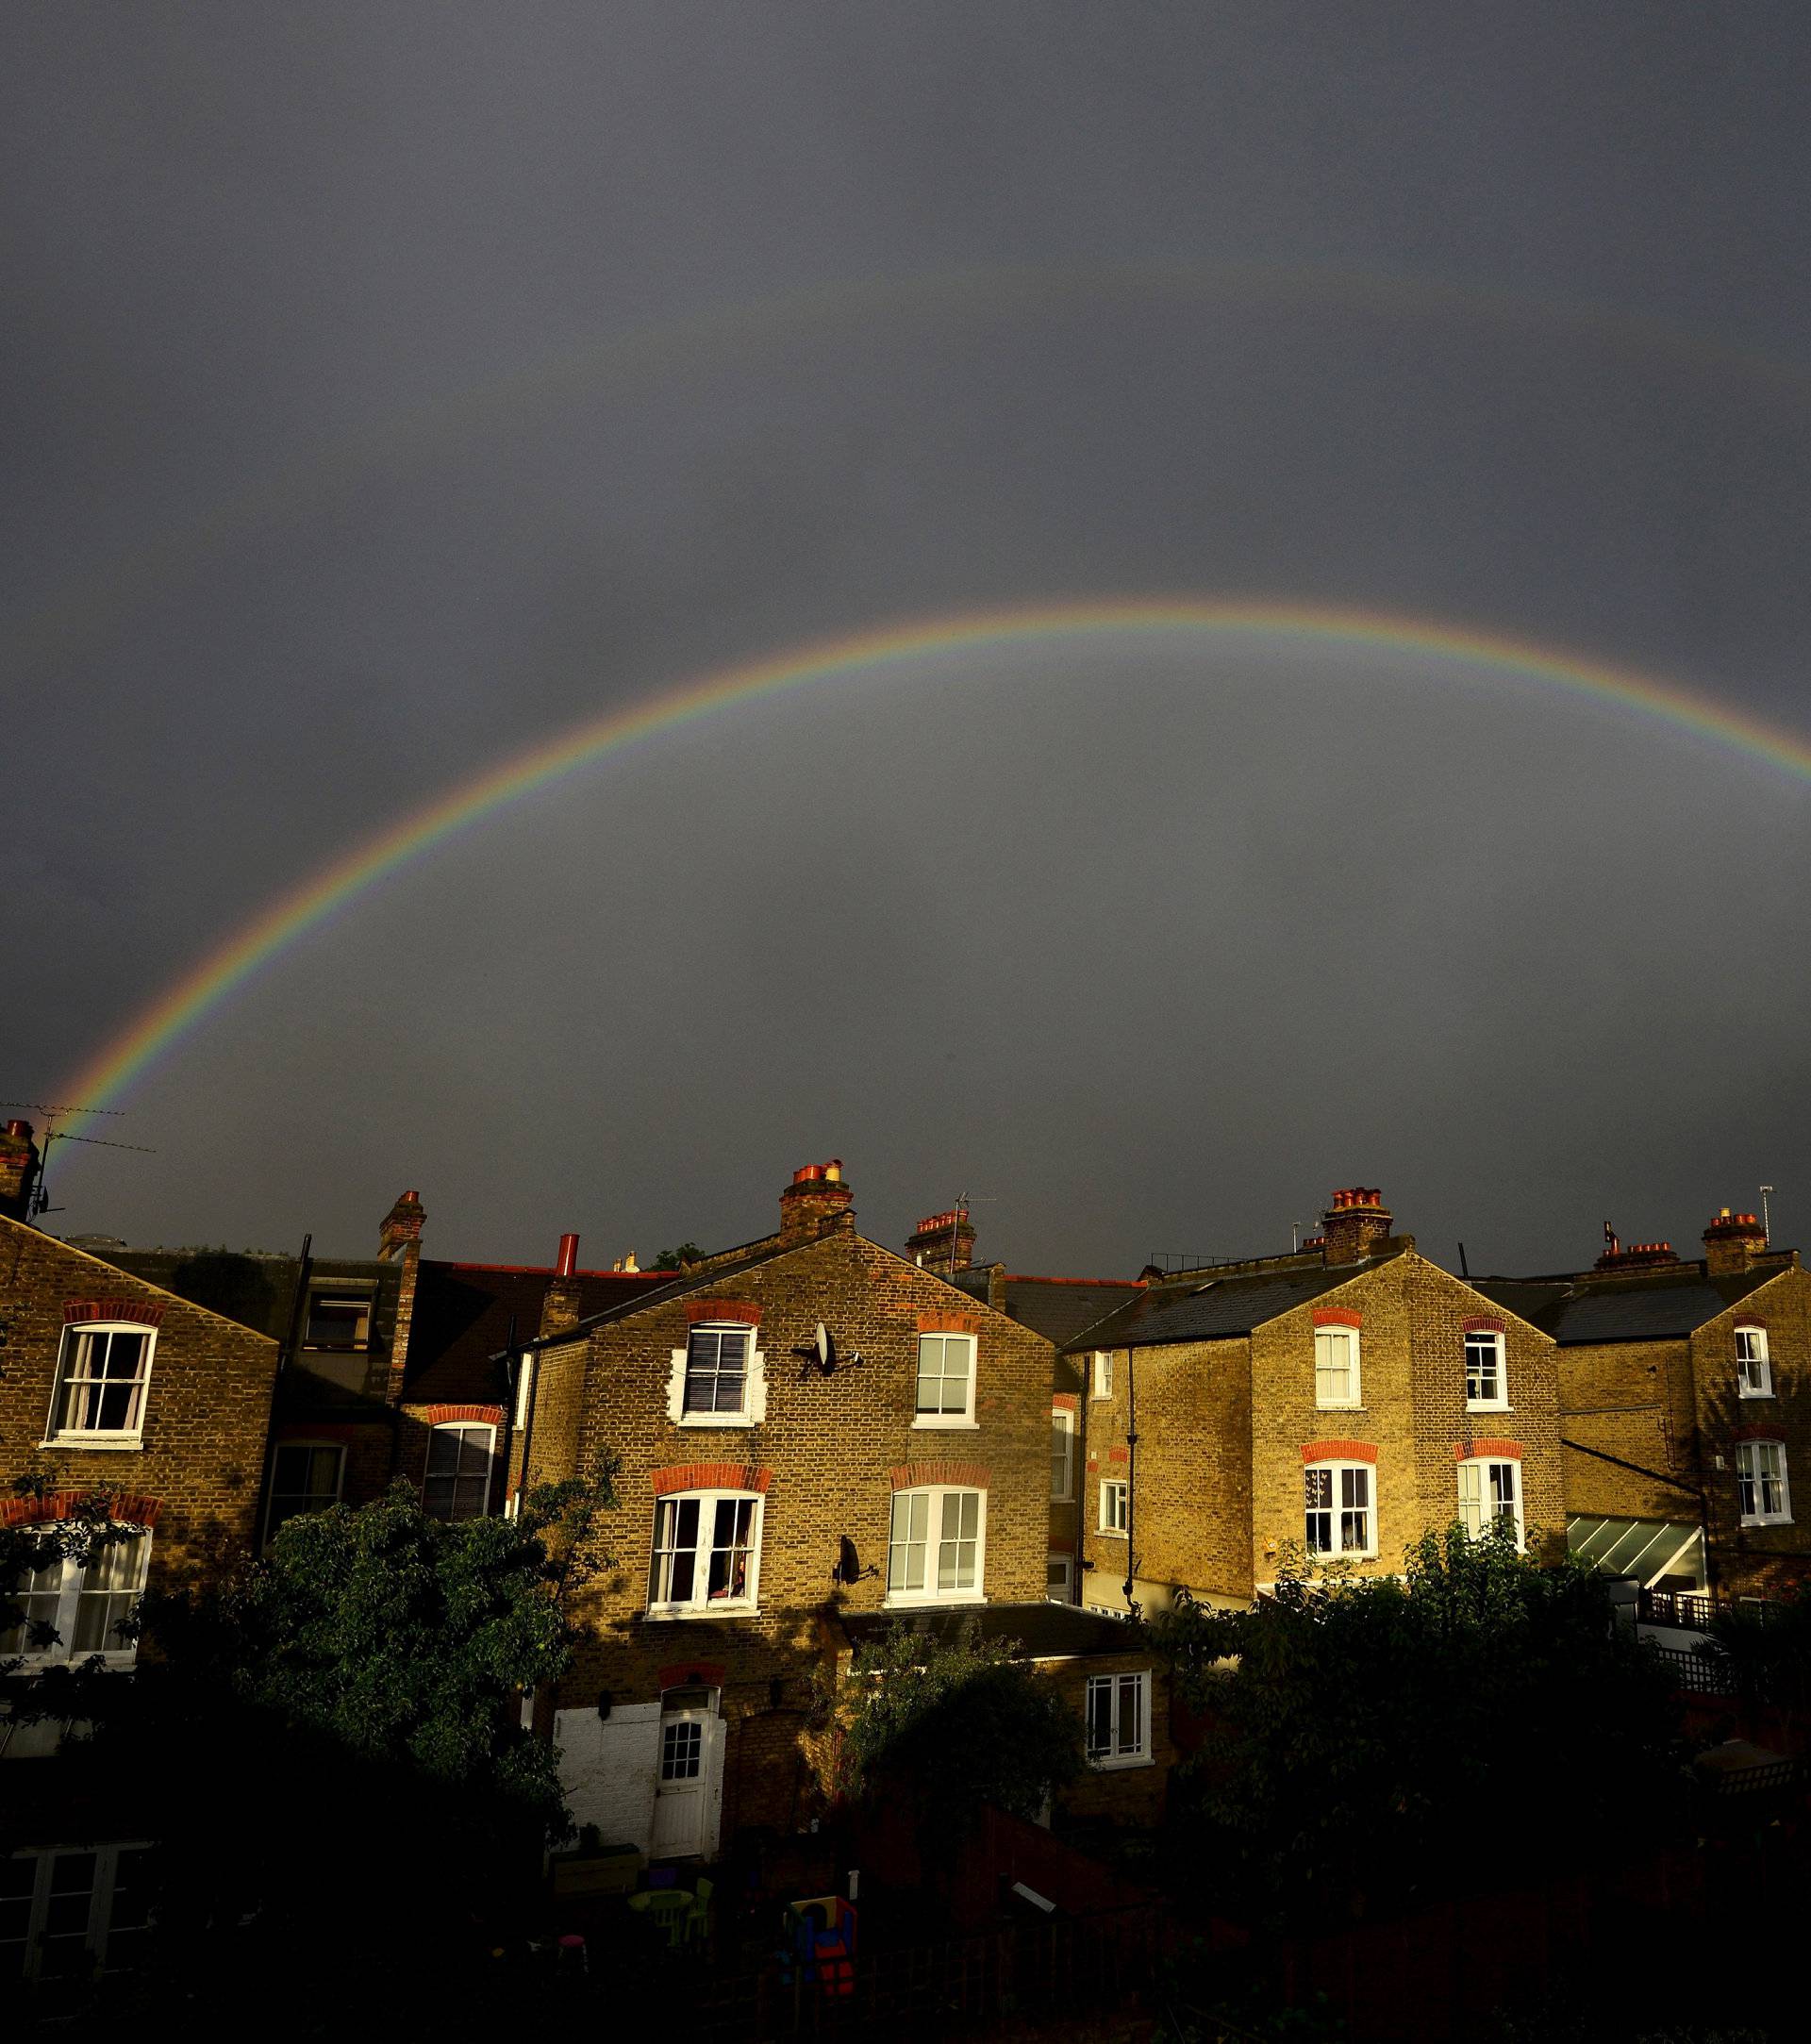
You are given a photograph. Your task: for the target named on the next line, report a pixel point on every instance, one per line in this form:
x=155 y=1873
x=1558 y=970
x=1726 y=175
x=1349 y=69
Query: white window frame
x=132 y=1437
x=460 y=1427
x=1137 y=1756
x=1103 y=1381
x=946 y=1420
x=1340 y=1509
x=700 y=1603
x=66 y=1580
x=1754 y=1363
x=754 y=1407
x=1500 y=1400
x=1115 y=1505
x=1751 y=1480
x=272 y=1526
x=325 y=1291
x=1337 y=1332
x=102 y=1890
x=1062 y=1428
x=1063 y=1592
x=1481 y=1493
x=935 y=1538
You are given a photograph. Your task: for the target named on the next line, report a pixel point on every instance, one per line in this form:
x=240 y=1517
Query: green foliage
x=404 y=1638
x=951 y=1724
x=28 y=1552
x=674 y=1259
x=1368 y=1735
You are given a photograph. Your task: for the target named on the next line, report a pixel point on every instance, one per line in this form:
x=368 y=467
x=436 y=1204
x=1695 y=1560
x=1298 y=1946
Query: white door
x=688 y=1743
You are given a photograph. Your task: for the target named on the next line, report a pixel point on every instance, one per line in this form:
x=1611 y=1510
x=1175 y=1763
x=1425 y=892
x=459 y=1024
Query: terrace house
x=1332 y=1404
x=814 y=1437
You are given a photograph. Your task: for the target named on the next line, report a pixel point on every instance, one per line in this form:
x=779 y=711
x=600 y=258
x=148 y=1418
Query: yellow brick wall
x=207 y=1411
x=1758 y=1560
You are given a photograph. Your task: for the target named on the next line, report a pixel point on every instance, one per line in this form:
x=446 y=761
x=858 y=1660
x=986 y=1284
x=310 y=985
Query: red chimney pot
x=568 y=1261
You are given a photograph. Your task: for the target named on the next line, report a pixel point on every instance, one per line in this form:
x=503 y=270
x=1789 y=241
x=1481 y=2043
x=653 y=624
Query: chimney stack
x=560 y=1302
x=1732 y=1242
x=401 y=1229
x=942 y=1241
x=19 y=1165
x=1357 y=1225
x=818 y=1196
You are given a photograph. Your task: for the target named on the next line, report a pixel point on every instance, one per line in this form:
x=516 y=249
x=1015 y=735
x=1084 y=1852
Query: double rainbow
x=182 y=1006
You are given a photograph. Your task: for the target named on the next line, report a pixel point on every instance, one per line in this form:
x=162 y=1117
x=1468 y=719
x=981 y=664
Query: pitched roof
x=1059 y=1308
x=766 y=1250
x=1654 y=1306
x=1045 y=1631
x=463 y=1312
x=1205 y=1311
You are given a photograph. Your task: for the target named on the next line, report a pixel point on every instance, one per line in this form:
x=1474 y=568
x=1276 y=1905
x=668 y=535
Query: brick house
x=1062 y=1310
x=1685 y=1408
x=392 y=1363
x=1338 y=1401
x=112 y=1387
x=782 y=1490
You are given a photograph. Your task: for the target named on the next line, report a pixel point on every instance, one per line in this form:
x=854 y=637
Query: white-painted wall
x=608 y=1767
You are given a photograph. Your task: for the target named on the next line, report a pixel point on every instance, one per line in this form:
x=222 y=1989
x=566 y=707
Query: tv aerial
x=40 y=1193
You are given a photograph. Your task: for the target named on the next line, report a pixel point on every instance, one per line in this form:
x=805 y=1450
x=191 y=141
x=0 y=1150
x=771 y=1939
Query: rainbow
x=184 y=1005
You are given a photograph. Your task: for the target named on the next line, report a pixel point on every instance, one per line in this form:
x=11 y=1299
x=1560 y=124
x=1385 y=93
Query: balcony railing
x=1692 y=1610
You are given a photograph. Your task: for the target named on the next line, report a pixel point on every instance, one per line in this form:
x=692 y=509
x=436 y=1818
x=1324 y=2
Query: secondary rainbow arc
x=186 y=1002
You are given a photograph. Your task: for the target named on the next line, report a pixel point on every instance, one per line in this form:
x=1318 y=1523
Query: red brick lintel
x=742 y=1310
x=1762 y=1430
x=1336 y=1316
x=1064 y=1401
x=692 y=1674
x=1504 y=1451
x=1337 y=1450
x=1482 y=1323
x=122 y=1510
x=949 y=1323
x=710 y=1476
x=443 y=1415
x=140 y=1312
x=964 y=1475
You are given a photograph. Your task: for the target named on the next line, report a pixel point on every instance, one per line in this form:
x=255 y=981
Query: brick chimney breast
x=401 y=1226
x=944 y=1242
x=1732 y=1242
x=819 y=1195
x=19 y=1162
x=559 y=1302
x=1357 y=1225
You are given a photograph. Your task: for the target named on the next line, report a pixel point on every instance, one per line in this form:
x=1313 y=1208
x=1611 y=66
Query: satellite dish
x=826 y=1350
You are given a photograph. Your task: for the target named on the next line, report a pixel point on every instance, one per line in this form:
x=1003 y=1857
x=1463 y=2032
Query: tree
x=677 y=1259
x=949 y=1724
x=1387 y=1736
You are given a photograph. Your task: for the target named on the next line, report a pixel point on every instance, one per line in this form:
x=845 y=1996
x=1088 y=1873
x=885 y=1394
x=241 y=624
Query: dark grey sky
x=389 y=387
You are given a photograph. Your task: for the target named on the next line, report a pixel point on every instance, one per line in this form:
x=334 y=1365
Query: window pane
x=717 y=1370
x=1333 y=1366
x=338 y=1323
x=1100 y=1716
x=906 y=1553
x=943 y=1362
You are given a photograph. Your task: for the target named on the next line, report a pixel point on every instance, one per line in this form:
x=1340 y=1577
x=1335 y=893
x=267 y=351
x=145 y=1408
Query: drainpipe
x=285 y=1355
x=1131 y=1462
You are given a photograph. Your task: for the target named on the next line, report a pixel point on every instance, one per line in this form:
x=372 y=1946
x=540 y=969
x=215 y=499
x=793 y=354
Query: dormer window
x=338 y=1319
